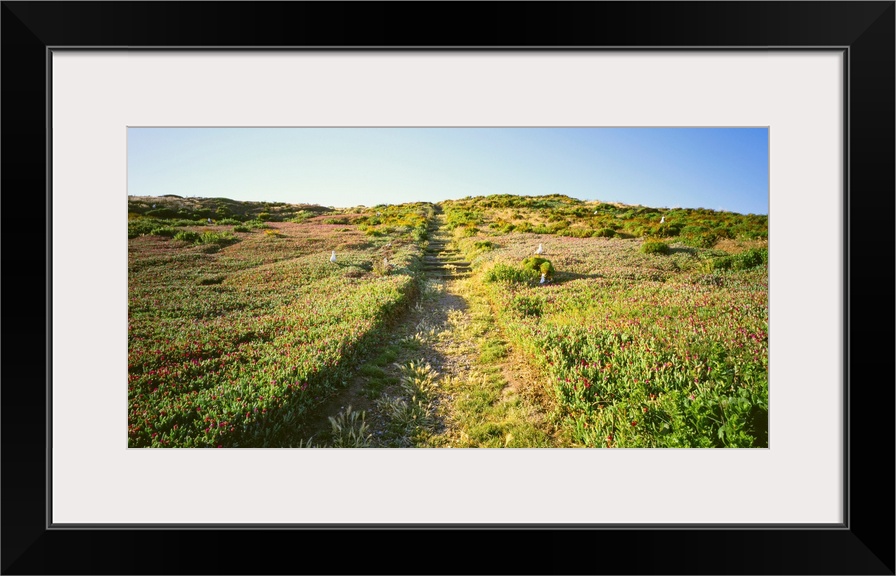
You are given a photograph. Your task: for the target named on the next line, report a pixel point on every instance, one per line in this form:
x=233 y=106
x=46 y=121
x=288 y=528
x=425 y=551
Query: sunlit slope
x=239 y=328
x=650 y=326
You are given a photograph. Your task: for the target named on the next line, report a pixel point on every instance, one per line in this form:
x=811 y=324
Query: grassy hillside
x=237 y=331
x=564 y=216
x=647 y=327
x=649 y=334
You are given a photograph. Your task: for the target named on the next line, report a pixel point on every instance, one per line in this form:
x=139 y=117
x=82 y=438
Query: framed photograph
x=83 y=82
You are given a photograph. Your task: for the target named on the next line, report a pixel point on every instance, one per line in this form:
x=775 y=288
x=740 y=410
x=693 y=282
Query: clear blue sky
x=715 y=168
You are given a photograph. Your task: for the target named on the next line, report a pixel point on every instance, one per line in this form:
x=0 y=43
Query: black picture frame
x=864 y=544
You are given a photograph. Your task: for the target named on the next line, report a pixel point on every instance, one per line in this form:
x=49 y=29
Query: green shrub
x=483 y=245
x=751 y=259
x=505 y=273
x=576 y=232
x=255 y=224
x=181 y=222
x=300 y=216
x=721 y=263
x=169 y=232
x=141 y=226
x=187 y=236
x=240 y=228
x=654 y=247
x=668 y=230
x=507 y=228
x=604 y=233
x=263 y=216
x=229 y=222
x=698 y=237
x=219 y=238
x=466 y=218
x=539 y=265
x=721 y=231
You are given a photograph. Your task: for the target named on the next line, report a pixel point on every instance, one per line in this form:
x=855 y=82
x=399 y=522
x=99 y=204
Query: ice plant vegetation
x=643 y=342
x=235 y=347
x=645 y=327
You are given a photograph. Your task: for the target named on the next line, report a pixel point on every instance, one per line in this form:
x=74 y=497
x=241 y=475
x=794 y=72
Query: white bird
x=209 y=220
x=540 y=250
x=662 y=220
x=333 y=257
x=542 y=278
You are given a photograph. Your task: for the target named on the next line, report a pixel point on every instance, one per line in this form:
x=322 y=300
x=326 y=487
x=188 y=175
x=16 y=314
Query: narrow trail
x=443 y=332
x=441 y=262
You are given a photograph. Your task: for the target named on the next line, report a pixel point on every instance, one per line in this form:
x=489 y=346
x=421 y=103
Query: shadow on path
x=412 y=337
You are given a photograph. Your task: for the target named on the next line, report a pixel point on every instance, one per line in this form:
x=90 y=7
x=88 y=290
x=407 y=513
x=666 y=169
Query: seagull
x=333 y=257
x=209 y=220
x=662 y=220
x=542 y=278
x=540 y=250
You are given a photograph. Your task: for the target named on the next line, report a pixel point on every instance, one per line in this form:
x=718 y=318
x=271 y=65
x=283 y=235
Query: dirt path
x=445 y=339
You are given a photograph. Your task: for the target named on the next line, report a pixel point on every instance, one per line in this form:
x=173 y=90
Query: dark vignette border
x=865 y=545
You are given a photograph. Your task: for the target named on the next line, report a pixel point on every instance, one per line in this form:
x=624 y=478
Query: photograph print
x=588 y=287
